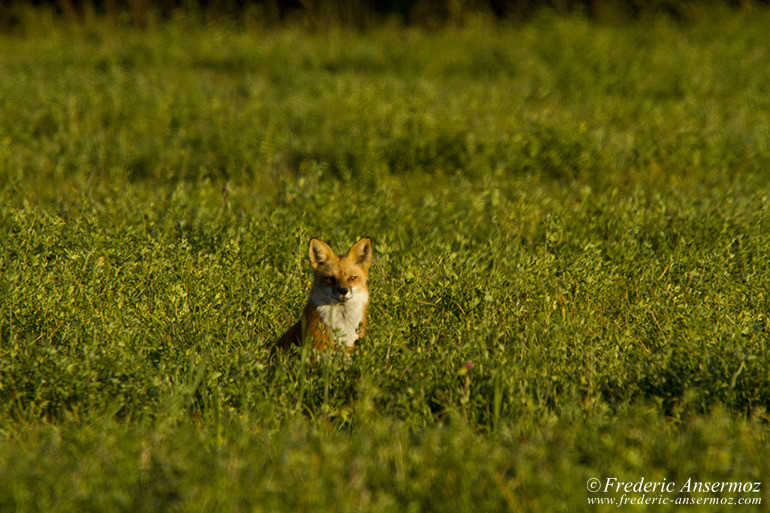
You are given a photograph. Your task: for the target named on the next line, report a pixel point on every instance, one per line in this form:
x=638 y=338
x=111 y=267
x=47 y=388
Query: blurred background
x=362 y=13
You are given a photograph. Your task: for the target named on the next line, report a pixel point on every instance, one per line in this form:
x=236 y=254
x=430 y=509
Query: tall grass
x=570 y=280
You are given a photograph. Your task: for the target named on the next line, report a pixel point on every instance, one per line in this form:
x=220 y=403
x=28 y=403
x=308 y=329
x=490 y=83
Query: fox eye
x=352 y=278
x=328 y=280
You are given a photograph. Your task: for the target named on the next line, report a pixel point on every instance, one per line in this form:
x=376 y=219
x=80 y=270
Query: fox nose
x=343 y=291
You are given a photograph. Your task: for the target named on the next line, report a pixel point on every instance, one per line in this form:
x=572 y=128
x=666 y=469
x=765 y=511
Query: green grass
x=577 y=210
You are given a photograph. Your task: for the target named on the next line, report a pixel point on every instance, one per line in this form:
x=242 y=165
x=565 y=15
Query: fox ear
x=320 y=253
x=361 y=252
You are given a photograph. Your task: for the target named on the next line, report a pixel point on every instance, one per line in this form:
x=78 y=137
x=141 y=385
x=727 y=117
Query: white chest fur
x=343 y=319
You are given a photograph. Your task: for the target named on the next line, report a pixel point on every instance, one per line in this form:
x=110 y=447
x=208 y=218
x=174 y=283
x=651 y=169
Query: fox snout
x=341 y=294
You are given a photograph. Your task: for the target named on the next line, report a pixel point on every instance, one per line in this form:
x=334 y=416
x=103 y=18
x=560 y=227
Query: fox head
x=341 y=278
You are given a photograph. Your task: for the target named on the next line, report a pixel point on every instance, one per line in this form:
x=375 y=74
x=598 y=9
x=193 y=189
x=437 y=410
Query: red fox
x=335 y=314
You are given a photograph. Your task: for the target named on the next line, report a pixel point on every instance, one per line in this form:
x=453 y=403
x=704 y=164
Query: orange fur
x=335 y=314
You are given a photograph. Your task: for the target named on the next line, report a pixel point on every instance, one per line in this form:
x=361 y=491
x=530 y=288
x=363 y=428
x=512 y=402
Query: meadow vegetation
x=570 y=279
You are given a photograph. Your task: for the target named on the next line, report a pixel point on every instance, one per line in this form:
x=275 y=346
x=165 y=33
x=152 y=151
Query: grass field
x=570 y=281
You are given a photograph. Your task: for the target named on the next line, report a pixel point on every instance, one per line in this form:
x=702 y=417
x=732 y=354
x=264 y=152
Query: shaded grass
x=562 y=98
x=384 y=466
